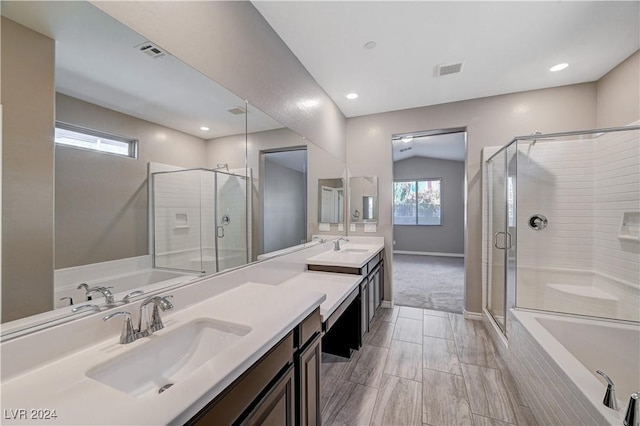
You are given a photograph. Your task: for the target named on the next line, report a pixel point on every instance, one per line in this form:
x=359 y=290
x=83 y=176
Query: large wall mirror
x=155 y=173
x=331 y=203
x=363 y=199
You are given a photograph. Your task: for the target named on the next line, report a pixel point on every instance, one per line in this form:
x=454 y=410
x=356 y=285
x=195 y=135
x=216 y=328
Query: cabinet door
x=364 y=309
x=308 y=384
x=372 y=296
x=277 y=407
x=376 y=285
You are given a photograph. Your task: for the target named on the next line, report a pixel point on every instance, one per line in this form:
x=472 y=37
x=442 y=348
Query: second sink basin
x=353 y=250
x=153 y=367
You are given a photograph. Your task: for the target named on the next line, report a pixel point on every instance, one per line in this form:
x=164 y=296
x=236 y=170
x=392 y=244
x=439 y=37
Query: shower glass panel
x=579 y=223
x=231 y=220
x=200 y=220
x=497 y=238
x=511 y=229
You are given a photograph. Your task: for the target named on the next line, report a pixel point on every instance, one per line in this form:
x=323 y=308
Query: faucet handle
x=128 y=334
x=82 y=307
x=128 y=297
x=70 y=299
x=160 y=303
x=632 y=418
x=610 y=395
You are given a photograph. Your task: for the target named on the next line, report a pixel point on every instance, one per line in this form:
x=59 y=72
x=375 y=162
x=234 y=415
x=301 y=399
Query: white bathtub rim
x=581 y=380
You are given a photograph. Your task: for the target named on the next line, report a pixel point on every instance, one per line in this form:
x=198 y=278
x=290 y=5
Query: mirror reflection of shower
x=200 y=219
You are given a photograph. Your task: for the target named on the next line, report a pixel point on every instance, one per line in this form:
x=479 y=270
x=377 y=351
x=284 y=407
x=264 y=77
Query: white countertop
x=335 y=286
x=350 y=255
x=270 y=311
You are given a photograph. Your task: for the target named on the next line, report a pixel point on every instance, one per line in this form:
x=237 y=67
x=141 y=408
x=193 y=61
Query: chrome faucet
x=128 y=333
x=632 y=418
x=610 y=395
x=147 y=325
x=336 y=243
x=108 y=296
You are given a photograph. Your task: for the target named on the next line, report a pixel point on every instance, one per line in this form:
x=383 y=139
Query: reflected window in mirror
x=94 y=140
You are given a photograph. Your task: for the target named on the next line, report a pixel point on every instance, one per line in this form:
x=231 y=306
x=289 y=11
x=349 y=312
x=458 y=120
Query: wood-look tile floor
x=421 y=367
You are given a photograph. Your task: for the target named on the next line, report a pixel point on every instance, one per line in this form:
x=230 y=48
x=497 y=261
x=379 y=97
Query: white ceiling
x=448 y=146
x=96 y=61
x=506 y=46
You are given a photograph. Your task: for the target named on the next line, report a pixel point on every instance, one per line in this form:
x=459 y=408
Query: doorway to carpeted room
x=429 y=187
x=429 y=282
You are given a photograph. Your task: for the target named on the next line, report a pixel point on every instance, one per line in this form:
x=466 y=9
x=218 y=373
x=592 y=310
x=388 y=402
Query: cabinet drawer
x=307 y=328
x=374 y=262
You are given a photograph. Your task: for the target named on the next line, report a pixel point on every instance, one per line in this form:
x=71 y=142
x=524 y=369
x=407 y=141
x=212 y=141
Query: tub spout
x=610 y=395
x=632 y=418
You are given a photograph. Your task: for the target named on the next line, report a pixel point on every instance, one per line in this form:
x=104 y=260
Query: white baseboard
x=386 y=304
x=472 y=315
x=425 y=253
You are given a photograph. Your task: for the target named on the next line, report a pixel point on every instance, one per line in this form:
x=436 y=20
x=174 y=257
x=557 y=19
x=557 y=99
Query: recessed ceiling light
x=352 y=96
x=370 y=45
x=407 y=139
x=558 y=67
x=204 y=128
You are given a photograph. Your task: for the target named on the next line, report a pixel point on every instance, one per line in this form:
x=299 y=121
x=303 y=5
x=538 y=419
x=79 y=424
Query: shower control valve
x=538 y=222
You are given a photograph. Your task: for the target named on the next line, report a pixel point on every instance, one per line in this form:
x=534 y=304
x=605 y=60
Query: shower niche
x=200 y=220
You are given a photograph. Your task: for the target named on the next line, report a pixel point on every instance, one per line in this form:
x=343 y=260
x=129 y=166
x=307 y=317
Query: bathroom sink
x=353 y=250
x=153 y=367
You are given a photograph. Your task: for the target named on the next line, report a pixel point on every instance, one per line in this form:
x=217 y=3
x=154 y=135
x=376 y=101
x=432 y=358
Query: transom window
x=417 y=202
x=94 y=140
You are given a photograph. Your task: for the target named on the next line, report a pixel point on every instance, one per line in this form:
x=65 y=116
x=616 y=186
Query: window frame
x=416 y=180
x=132 y=143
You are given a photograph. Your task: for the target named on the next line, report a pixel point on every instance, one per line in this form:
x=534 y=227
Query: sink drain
x=165 y=387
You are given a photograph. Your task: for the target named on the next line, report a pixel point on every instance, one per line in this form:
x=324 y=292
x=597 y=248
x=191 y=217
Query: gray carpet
x=429 y=282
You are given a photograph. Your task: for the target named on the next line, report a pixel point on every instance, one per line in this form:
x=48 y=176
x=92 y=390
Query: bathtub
x=553 y=359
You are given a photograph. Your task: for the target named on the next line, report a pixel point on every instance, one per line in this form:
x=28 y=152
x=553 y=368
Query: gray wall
x=619 y=94
x=101 y=200
x=283 y=205
x=27 y=171
x=448 y=237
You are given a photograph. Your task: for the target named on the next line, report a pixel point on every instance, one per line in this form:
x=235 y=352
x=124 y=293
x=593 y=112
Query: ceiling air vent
x=150 y=49
x=237 y=111
x=442 y=70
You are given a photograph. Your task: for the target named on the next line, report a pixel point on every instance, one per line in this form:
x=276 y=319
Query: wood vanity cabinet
x=282 y=388
x=371 y=289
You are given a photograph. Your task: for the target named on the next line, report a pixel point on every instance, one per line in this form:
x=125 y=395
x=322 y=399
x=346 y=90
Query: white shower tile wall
x=616 y=262
x=578 y=264
x=176 y=194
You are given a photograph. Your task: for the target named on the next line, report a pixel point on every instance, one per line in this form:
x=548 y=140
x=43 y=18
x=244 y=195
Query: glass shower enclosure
x=562 y=225
x=199 y=220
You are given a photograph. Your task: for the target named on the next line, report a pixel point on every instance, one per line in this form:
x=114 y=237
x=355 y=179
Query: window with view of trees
x=417 y=202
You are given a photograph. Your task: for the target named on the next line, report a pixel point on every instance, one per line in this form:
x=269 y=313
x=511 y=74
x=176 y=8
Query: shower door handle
x=495 y=241
x=219 y=231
